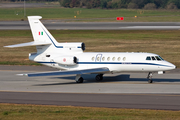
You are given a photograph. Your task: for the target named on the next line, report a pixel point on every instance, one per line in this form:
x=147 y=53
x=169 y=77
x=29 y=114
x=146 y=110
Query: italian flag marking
x=40 y=33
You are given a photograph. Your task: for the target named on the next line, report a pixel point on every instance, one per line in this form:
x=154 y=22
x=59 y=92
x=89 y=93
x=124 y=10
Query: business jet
x=70 y=58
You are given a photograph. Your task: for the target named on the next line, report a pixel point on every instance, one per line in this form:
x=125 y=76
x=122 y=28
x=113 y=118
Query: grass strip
x=106 y=15
x=46 y=112
x=165 y=43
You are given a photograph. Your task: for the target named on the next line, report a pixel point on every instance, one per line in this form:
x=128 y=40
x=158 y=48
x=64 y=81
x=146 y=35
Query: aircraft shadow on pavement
x=119 y=78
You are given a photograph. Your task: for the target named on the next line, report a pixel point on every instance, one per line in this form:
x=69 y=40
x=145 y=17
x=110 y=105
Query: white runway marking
x=150 y=27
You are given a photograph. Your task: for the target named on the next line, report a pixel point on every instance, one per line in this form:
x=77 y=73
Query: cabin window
x=124 y=59
x=103 y=58
x=47 y=55
x=92 y=58
x=98 y=58
x=119 y=59
x=113 y=58
x=148 y=58
x=153 y=58
x=108 y=58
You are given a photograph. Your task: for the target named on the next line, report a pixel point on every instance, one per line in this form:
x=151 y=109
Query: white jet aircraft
x=70 y=57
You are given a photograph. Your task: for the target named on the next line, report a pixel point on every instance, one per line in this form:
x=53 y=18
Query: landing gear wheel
x=99 y=77
x=150 y=81
x=80 y=80
x=149 y=77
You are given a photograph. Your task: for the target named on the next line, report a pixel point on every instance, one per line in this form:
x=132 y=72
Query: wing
x=69 y=72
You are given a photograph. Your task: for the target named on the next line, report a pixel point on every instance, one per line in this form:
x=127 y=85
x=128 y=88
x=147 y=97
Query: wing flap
x=33 y=43
x=54 y=73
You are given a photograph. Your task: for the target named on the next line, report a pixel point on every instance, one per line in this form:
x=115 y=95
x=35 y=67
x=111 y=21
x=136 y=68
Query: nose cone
x=171 y=66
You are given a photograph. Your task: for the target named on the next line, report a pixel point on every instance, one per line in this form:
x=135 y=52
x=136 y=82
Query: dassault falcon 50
x=70 y=58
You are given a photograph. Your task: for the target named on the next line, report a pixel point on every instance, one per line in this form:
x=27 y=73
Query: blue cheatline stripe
x=46 y=62
x=123 y=63
x=53 y=41
x=127 y=63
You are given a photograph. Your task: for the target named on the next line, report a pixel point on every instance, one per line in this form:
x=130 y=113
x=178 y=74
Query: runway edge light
x=119 y=18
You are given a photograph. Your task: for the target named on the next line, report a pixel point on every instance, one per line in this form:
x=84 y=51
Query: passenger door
x=98 y=58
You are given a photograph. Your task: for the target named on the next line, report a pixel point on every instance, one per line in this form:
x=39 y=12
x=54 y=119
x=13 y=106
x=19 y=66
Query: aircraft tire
x=99 y=77
x=80 y=80
x=150 y=81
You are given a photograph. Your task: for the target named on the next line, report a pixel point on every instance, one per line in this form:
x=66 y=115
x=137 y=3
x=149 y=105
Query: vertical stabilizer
x=39 y=32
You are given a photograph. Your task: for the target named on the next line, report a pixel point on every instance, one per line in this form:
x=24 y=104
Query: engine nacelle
x=73 y=47
x=66 y=60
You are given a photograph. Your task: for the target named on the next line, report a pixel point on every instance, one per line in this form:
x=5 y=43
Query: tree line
x=115 y=4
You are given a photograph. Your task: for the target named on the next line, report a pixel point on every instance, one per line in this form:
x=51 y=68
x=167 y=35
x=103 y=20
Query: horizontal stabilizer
x=33 y=43
x=53 y=73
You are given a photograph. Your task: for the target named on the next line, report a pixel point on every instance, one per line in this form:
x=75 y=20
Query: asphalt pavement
x=61 y=25
x=123 y=90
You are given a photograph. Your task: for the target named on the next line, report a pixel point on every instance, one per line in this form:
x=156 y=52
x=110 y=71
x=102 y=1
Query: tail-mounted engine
x=73 y=47
x=66 y=60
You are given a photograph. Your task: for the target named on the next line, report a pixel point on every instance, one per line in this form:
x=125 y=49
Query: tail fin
x=40 y=34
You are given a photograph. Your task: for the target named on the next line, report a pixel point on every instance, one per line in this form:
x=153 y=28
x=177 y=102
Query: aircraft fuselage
x=115 y=61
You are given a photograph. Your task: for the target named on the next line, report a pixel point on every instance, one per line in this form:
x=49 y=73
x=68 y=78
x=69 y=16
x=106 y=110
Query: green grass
x=109 y=15
x=38 y=112
x=164 y=43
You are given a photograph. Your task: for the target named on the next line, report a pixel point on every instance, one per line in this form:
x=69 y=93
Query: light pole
x=24 y=9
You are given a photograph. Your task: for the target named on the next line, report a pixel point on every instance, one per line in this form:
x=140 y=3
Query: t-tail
x=47 y=46
x=42 y=38
x=45 y=42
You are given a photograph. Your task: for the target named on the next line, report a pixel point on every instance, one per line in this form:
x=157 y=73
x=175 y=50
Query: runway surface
x=126 y=90
x=21 y=5
x=61 y=25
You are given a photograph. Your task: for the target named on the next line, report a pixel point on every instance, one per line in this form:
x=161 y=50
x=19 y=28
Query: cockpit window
x=153 y=58
x=161 y=58
x=157 y=57
x=148 y=58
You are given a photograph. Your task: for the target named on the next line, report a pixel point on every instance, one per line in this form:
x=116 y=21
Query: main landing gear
x=80 y=79
x=99 y=77
x=149 y=77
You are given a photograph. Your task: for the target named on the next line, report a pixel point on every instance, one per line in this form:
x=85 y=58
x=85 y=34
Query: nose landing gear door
x=98 y=57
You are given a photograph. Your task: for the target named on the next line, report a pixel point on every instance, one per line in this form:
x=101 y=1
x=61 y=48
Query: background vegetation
x=37 y=112
x=132 y=4
x=114 y=4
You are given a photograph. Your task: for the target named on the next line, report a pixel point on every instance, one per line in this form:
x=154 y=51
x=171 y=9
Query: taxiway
x=61 y=25
x=126 y=90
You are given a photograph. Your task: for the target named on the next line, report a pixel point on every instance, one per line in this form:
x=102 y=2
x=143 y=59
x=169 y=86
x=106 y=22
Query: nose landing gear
x=149 y=77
